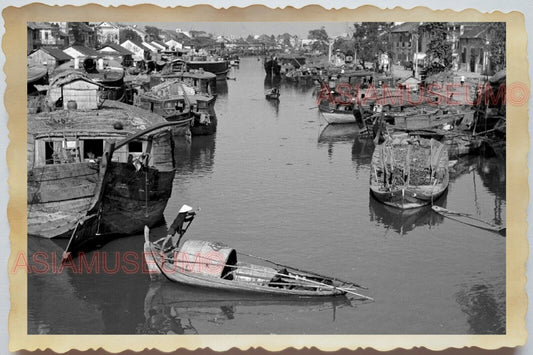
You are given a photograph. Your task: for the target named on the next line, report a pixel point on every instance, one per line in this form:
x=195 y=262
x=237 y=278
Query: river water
x=275 y=181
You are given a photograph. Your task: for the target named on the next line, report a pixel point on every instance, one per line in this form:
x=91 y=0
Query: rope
x=146 y=193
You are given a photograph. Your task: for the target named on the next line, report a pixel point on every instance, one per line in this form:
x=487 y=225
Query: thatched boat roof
x=94 y=123
x=69 y=76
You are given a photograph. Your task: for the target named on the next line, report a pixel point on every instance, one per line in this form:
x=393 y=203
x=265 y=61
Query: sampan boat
x=272 y=94
x=215 y=265
x=409 y=172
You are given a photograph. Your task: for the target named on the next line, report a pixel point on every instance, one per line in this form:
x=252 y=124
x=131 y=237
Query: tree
x=129 y=34
x=497 y=44
x=346 y=46
x=321 y=39
x=371 y=39
x=77 y=34
x=153 y=32
x=319 y=34
x=439 y=50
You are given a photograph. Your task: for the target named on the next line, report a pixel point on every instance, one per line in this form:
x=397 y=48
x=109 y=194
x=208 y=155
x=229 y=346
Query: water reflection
x=362 y=150
x=46 y=284
x=333 y=133
x=484 y=307
x=486 y=173
x=404 y=221
x=222 y=88
x=170 y=308
x=275 y=106
x=197 y=157
x=272 y=81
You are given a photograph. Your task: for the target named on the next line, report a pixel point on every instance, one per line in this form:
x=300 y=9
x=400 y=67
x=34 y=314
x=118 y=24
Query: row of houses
x=96 y=34
x=128 y=53
x=469 y=44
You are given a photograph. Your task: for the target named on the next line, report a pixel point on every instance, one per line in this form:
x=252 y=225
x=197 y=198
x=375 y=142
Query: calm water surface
x=275 y=181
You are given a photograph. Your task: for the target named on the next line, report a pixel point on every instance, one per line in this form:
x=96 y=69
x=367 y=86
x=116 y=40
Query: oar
x=347 y=290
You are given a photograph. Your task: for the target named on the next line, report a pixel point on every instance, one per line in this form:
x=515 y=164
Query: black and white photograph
x=266 y=178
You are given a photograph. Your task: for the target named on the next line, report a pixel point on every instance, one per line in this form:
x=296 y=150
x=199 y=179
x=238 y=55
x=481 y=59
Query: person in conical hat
x=185 y=214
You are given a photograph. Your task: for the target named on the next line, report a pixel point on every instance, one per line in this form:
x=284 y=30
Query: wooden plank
x=62 y=171
x=60 y=193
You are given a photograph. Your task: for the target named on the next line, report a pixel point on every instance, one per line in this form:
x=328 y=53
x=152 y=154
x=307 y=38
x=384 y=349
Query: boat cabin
x=202 y=81
x=68 y=136
x=73 y=90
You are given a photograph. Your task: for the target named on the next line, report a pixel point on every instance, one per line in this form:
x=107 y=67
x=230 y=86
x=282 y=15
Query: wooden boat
x=272 y=67
x=73 y=172
x=424 y=118
x=176 y=101
x=272 y=94
x=215 y=265
x=469 y=219
x=219 y=67
x=409 y=172
x=202 y=81
x=108 y=73
x=340 y=114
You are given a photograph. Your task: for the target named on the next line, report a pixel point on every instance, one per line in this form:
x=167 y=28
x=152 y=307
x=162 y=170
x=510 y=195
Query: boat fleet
x=101 y=159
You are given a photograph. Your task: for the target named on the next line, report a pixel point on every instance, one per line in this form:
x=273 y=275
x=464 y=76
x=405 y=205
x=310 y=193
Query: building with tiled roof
x=81 y=52
x=48 y=57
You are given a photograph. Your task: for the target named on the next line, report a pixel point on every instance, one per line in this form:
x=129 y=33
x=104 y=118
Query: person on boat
x=185 y=214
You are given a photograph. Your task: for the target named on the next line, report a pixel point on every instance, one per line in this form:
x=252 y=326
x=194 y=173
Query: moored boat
x=215 y=265
x=202 y=81
x=108 y=73
x=176 y=101
x=409 y=172
x=219 y=67
x=73 y=171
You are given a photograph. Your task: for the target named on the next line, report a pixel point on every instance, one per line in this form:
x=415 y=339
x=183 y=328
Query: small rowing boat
x=467 y=218
x=272 y=94
x=215 y=265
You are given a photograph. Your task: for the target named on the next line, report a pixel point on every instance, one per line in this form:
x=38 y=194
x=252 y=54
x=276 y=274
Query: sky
x=243 y=29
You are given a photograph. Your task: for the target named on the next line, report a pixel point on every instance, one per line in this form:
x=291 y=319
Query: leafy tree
x=321 y=39
x=129 y=34
x=76 y=34
x=497 y=40
x=346 y=46
x=371 y=39
x=439 y=50
x=153 y=32
x=319 y=34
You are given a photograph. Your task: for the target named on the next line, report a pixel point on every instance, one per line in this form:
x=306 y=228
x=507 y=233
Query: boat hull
x=157 y=267
x=219 y=68
x=58 y=197
x=408 y=198
x=335 y=117
x=409 y=173
x=126 y=207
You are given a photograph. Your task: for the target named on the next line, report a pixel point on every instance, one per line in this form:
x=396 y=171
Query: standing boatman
x=185 y=214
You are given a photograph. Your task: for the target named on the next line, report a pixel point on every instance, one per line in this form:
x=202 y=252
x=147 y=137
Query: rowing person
x=185 y=214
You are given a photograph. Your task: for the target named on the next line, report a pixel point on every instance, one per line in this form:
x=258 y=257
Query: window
x=49 y=152
x=135 y=147
x=93 y=148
